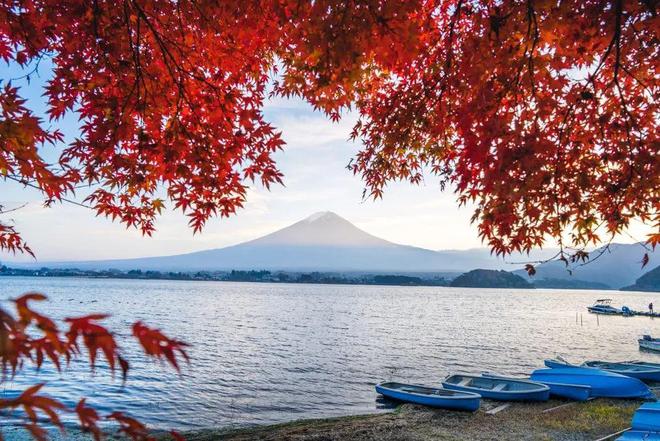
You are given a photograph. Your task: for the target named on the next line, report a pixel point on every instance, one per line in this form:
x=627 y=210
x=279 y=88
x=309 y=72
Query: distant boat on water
x=649 y=343
x=603 y=306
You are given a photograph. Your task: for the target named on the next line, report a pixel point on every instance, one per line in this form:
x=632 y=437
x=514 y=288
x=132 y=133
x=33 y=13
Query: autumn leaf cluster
x=29 y=337
x=543 y=114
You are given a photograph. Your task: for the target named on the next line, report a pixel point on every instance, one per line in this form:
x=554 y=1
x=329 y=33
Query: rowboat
x=577 y=392
x=645 y=424
x=603 y=383
x=647 y=417
x=429 y=396
x=496 y=388
x=649 y=343
x=642 y=372
x=642 y=363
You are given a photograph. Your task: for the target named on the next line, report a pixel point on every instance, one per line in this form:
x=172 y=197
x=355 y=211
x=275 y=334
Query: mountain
x=326 y=242
x=321 y=242
x=568 y=284
x=619 y=265
x=481 y=278
x=648 y=282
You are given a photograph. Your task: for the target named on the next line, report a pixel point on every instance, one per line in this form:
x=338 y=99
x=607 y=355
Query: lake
x=266 y=353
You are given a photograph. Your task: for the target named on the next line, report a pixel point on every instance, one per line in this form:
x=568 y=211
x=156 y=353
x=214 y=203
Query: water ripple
x=270 y=353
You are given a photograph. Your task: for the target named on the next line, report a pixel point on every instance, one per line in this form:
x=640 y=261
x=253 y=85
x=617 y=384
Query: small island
x=481 y=278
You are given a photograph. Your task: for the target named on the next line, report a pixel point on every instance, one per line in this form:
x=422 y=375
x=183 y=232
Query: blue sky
x=313 y=163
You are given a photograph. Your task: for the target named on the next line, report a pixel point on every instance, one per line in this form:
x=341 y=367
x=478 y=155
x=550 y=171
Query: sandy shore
x=524 y=421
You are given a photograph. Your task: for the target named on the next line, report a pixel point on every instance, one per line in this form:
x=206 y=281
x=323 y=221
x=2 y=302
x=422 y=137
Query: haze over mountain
x=618 y=266
x=327 y=242
x=321 y=242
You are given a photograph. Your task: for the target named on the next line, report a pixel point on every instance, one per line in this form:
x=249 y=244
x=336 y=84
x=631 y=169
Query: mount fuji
x=322 y=242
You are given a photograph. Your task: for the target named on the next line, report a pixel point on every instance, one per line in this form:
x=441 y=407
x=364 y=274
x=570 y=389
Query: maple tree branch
x=25 y=182
x=3 y=211
x=33 y=70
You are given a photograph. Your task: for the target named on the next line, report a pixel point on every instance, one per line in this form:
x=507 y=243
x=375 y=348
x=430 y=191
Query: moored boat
x=642 y=363
x=498 y=388
x=643 y=372
x=649 y=343
x=602 y=383
x=429 y=396
x=577 y=392
x=603 y=306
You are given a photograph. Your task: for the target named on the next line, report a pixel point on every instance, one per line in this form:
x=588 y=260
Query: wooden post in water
x=597 y=320
x=581 y=323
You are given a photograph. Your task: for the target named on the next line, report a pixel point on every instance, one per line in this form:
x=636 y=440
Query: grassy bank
x=525 y=421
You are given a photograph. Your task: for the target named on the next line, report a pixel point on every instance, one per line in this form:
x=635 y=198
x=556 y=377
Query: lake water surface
x=266 y=353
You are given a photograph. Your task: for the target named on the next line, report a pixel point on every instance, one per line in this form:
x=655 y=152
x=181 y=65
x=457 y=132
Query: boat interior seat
x=465 y=382
x=499 y=387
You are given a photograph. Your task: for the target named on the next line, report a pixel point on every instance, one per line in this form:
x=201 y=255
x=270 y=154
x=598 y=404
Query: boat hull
x=537 y=392
x=604 y=311
x=602 y=383
x=649 y=345
x=460 y=401
x=577 y=392
x=643 y=363
x=646 y=373
x=647 y=418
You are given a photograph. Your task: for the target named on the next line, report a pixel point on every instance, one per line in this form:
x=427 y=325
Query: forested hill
x=648 y=282
x=481 y=278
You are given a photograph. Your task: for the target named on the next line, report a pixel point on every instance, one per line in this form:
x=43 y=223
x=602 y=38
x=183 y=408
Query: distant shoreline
x=233 y=276
x=471 y=279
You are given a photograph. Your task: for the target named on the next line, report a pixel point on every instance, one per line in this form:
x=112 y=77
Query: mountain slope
x=619 y=266
x=648 y=282
x=321 y=242
x=327 y=242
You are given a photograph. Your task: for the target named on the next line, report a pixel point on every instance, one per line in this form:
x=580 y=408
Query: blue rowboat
x=639 y=435
x=429 y=396
x=603 y=383
x=647 y=373
x=649 y=343
x=577 y=392
x=647 y=418
x=642 y=363
x=498 y=388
